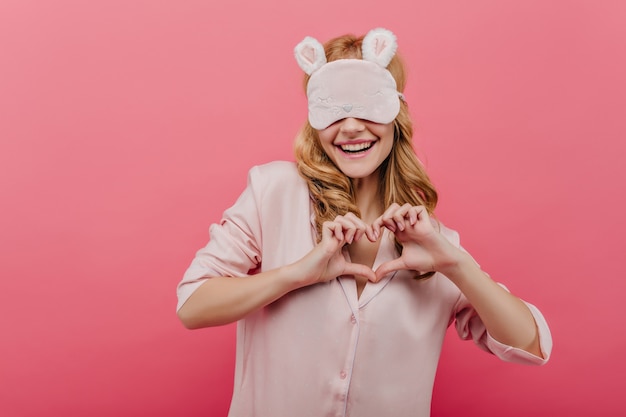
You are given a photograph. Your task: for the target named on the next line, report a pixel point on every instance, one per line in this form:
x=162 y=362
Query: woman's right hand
x=221 y=300
x=327 y=261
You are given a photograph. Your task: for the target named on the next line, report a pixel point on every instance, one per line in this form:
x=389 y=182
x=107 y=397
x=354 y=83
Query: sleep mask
x=359 y=88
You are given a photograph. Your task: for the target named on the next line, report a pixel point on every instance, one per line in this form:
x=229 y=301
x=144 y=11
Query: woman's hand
x=424 y=248
x=507 y=319
x=326 y=261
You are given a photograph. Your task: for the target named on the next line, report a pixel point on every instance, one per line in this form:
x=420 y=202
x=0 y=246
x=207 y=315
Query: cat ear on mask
x=310 y=55
x=379 y=46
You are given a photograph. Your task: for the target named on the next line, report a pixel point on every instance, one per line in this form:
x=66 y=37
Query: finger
x=361 y=270
x=371 y=233
x=354 y=218
x=348 y=227
x=351 y=225
x=360 y=226
x=388 y=267
x=368 y=233
x=422 y=213
x=329 y=232
x=388 y=222
x=400 y=216
x=413 y=215
x=332 y=230
x=425 y=223
x=376 y=228
x=388 y=217
x=338 y=231
x=399 y=223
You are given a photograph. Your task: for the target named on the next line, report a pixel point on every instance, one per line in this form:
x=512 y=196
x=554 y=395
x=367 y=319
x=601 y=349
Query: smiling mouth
x=354 y=148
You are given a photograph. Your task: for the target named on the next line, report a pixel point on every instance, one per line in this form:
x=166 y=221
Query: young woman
x=342 y=282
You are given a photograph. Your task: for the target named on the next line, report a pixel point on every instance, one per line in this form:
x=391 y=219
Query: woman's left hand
x=424 y=248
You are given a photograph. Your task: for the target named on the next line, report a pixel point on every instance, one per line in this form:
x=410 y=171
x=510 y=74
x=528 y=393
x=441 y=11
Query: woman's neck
x=367 y=198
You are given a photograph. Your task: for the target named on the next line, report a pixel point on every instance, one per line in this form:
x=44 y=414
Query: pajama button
x=352 y=319
x=343 y=375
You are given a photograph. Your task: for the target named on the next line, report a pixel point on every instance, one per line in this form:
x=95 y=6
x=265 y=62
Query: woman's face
x=357 y=146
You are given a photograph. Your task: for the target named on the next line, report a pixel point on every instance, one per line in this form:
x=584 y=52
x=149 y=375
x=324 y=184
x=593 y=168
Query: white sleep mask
x=359 y=88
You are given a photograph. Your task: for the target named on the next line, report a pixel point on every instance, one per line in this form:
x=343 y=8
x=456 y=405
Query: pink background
x=127 y=127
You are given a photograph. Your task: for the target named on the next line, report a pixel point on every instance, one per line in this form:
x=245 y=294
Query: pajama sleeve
x=234 y=245
x=470 y=326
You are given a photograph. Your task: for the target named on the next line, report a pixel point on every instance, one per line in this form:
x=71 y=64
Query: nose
x=351 y=125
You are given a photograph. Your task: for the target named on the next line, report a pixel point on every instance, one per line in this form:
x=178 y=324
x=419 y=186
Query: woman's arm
x=223 y=300
x=506 y=317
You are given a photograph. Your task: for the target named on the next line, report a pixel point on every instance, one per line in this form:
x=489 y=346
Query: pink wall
x=126 y=127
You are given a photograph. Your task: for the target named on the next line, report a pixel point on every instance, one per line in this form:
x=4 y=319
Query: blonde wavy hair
x=403 y=179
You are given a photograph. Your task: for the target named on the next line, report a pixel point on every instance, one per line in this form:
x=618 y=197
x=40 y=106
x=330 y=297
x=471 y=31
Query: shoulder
x=282 y=200
x=277 y=178
x=275 y=170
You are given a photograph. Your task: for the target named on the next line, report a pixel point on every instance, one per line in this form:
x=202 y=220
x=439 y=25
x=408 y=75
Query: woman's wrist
x=457 y=267
x=290 y=277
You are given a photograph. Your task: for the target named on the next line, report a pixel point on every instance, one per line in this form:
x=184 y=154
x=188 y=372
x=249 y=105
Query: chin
x=357 y=174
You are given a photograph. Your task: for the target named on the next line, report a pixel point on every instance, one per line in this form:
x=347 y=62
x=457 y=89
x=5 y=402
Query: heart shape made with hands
x=423 y=247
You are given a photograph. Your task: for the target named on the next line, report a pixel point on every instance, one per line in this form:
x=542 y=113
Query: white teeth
x=356 y=147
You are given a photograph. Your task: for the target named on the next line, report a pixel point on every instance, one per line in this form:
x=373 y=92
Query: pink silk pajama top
x=320 y=351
